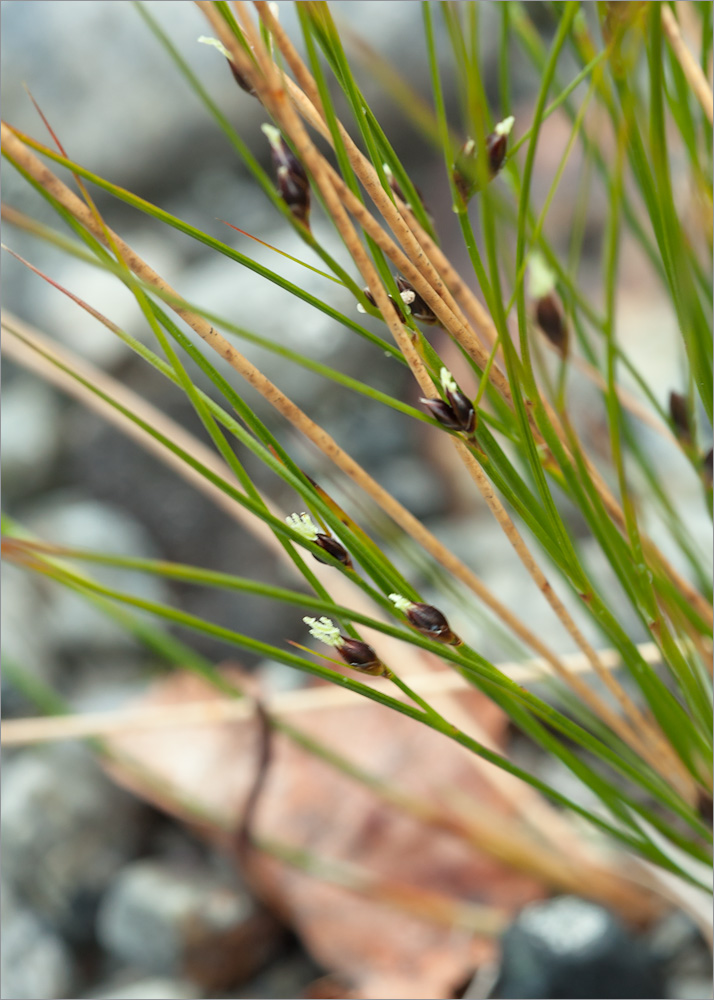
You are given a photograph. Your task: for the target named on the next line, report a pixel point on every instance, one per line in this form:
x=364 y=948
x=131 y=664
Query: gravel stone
x=30 y=436
x=66 y=831
x=171 y=920
x=35 y=964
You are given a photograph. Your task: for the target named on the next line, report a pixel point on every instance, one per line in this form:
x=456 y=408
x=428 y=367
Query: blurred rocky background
x=103 y=896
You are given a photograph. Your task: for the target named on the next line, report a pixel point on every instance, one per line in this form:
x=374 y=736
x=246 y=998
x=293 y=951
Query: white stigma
x=504 y=127
x=206 y=40
x=324 y=630
x=407 y=296
x=401 y=603
x=304 y=525
x=448 y=383
x=272 y=134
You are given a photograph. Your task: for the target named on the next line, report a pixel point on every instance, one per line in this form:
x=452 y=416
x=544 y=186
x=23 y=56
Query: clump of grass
x=641 y=748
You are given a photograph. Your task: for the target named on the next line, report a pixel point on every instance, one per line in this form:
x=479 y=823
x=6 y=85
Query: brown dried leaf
x=380 y=950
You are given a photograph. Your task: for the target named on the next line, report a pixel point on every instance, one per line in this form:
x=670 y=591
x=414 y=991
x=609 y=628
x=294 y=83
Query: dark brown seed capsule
x=431 y=622
x=464 y=173
x=707 y=469
x=420 y=310
x=496 y=150
x=462 y=409
x=360 y=656
x=370 y=298
x=679 y=414
x=443 y=413
x=335 y=548
x=467 y=173
x=293 y=184
x=240 y=79
x=549 y=314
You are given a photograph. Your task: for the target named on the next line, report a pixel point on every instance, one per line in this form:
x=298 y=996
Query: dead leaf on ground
x=304 y=802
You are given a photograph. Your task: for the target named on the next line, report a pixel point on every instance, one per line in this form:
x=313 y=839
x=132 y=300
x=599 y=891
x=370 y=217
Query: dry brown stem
x=690 y=67
x=20 y=732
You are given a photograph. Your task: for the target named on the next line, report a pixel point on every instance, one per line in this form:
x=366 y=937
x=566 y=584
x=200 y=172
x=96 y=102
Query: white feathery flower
x=304 y=525
x=407 y=296
x=401 y=603
x=448 y=384
x=504 y=127
x=207 y=40
x=324 y=630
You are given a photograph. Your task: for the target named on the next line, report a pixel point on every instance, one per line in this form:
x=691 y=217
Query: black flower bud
x=360 y=656
x=459 y=408
x=427 y=620
x=419 y=309
x=370 y=298
x=241 y=80
x=550 y=318
x=442 y=412
x=335 y=548
x=467 y=169
x=679 y=415
x=293 y=184
x=354 y=652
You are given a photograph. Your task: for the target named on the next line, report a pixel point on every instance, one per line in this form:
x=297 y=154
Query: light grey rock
x=30 y=435
x=66 y=519
x=277 y=677
x=252 y=302
x=73 y=326
x=155 y=988
x=35 y=964
x=570 y=947
x=690 y=988
x=171 y=920
x=66 y=831
x=26 y=642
